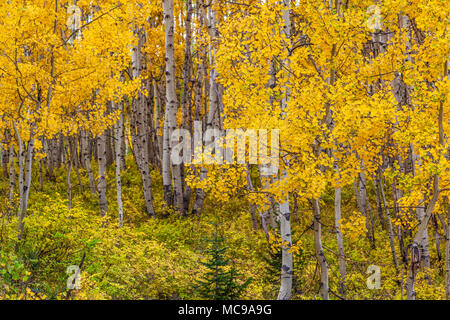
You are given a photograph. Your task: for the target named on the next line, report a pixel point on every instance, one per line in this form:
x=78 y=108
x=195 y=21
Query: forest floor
x=161 y=258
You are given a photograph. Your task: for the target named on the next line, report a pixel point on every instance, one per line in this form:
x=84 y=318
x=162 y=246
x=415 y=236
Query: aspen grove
x=300 y=146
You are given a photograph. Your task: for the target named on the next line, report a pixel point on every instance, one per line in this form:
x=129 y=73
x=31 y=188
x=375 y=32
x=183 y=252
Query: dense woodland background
x=91 y=92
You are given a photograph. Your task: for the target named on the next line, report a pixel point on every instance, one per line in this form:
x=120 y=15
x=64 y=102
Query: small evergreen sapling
x=220 y=281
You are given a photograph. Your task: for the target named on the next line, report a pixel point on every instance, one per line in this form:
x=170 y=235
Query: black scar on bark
x=287 y=269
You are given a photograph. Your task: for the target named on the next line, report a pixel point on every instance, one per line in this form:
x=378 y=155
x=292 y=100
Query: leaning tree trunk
x=418 y=241
x=419 y=237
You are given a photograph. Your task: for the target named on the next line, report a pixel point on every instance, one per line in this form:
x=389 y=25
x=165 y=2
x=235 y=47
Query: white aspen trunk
x=170 y=113
x=69 y=169
x=86 y=156
x=119 y=133
x=397 y=194
x=267 y=216
x=187 y=93
x=12 y=179
x=287 y=267
x=324 y=288
x=101 y=152
x=139 y=128
x=26 y=183
x=158 y=115
x=417 y=242
x=126 y=139
x=212 y=119
x=447 y=253
x=251 y=205
x=287 y=264
x=20 y=158
x=340 y=240
x=424 y=247
x=420 y=213
x=447 y=229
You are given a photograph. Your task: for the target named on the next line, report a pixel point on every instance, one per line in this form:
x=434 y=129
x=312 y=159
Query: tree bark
x=119 y=133
x=101 y=150
x=388 y=219
x=324 y=288
x=138 y=127
x=340 y=240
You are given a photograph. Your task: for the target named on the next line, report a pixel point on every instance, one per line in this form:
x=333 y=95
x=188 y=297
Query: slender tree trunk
x=447 y=253
x=76 y=160
x=69 y=169
x=379 y=206
x=26 y=180
x=12 y=179
x=138 y=128
x=424 y=247
x=340 y=240
x=251 y=205
x=101 y=151
x=212 y=118
x=284 y=215
x=119 y=138
x=187 y=93
x=366 y=207
x=437 y=237
x=41 y=174
x=20 y=158
x=170 y=120
x=86 y=156
x=388 y=219
x=418 y=241
x=319 y=251
x=287 y=265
